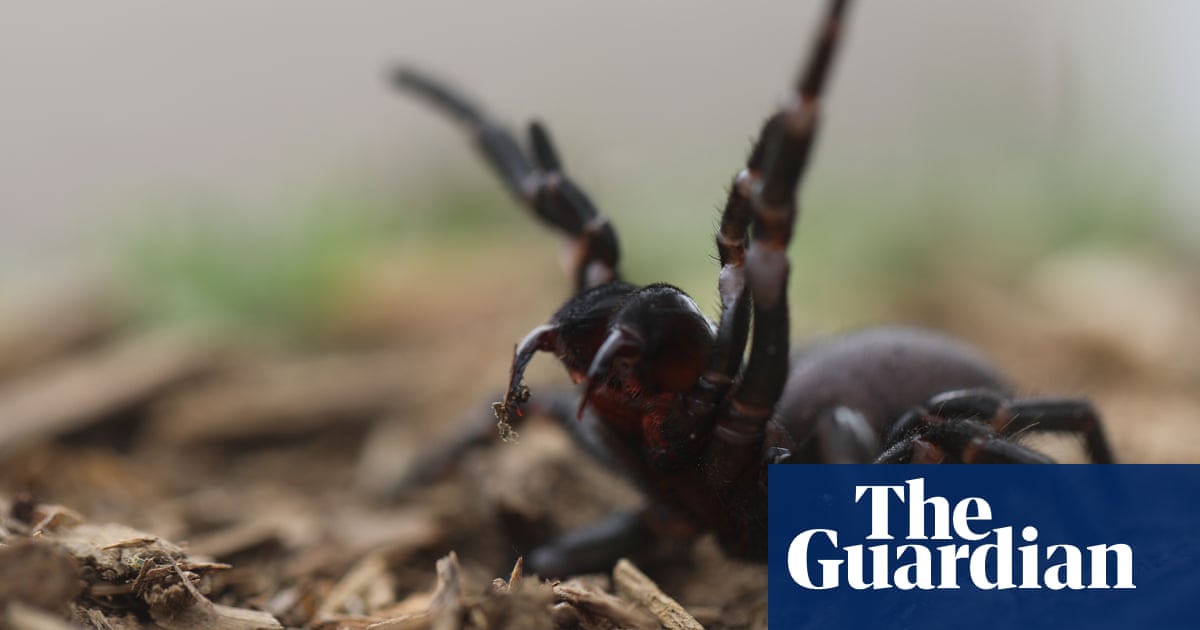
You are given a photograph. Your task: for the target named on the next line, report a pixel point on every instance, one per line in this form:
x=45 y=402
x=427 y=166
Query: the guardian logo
x=993 y=547
x=947 y=546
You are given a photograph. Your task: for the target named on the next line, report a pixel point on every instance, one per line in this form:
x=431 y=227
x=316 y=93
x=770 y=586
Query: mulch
x=172 y=479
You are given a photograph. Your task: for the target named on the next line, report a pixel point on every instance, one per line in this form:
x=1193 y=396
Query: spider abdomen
x=880 y=373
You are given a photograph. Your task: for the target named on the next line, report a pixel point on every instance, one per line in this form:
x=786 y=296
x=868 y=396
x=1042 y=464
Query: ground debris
x=633 y=585
x=23 y=617
x=114 y=554
x=202 y=613
x=39 y=575
x=79 y=390
x=245 y=494
x=41 y=324
x=366 y=586
x=108 y=576
x=518 y=602
x=283 y=397
x=597 y=606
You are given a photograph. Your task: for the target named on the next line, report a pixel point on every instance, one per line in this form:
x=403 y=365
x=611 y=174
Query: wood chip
x=98 y=548
x=518 y=572
x=57 y=317
x=289 y=397
x=414 y=621
x=586 y=598
x=415 y=603
x=38 y=574
x=446 y=608
x=210 y=616
x=633 y=585
x=18 y=615
x=369 y=573
x=132 y=542
x=500 y=585
x=84 y=389
x=48 y=517
x=249 y=534
x=181 y=606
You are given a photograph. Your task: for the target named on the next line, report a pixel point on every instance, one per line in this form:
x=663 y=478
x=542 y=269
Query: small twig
x=191 y=588
x=55 y=515
x=518 y=571
x=200 y=567
x=366 y=572
x=136 y=585
x=132 y=542
x=154 y=568
x=500 y=585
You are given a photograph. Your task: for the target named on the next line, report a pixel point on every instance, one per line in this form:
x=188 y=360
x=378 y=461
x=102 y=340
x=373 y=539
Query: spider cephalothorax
x=677 y=402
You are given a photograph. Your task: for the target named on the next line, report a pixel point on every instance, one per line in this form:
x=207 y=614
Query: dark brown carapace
x=674 y=399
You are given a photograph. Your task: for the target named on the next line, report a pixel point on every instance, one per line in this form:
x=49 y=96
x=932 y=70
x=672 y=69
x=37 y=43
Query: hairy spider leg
x=959 y=440
x=538 y=182
x=786 y=144
x=993 y=415
x=1063 y=415
x=1010 y=418
x=733 y=330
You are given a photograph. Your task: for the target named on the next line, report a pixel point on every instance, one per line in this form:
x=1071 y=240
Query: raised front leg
x=785 y=143
x=537 y=179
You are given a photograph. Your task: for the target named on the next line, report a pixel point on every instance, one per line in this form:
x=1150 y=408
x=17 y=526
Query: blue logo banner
x=1054 y=546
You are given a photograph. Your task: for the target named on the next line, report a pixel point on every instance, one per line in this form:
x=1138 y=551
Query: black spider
x=666 y=394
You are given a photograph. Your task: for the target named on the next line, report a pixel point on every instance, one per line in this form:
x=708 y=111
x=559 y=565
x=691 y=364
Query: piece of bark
x=116 y=560
x=209 y=616
x=252 y=533
x=181 y=606
x=18 y=615
x=413 y=621
x=101 y=620
x=286 y=397
x=597 y=603
x=395 y=533
x=633 y=585
x=235 y=520
x=707 y=615
x=566 y=615
x=38 y=574
x=322 y=540
x=413 y=604
x=112 y=553
x=514 y=577
x=83 y=389
x=47 y=516
x=446 y=607
x=369 y=573
x=54 y=319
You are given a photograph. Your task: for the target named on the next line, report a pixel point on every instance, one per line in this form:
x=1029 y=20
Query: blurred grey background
x=114 y=111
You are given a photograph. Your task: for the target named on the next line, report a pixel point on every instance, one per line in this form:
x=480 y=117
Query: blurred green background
x=242 y=165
